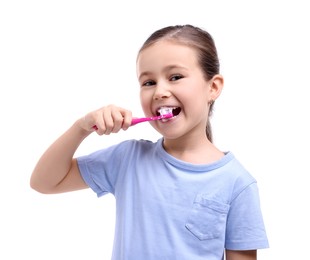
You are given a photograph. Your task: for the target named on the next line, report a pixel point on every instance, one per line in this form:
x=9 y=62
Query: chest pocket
x=207 y=218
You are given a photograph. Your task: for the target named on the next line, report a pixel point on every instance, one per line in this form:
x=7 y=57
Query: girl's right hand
x=106 y=120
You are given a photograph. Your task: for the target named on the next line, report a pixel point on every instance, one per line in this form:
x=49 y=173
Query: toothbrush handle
x=134 y=121
x=139 y=120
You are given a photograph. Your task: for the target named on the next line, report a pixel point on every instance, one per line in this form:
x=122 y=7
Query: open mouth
x=168 y=110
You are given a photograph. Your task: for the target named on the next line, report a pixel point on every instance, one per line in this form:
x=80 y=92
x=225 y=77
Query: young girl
x=177 y=198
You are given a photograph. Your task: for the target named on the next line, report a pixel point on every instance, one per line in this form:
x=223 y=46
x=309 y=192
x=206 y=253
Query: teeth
x=165 y=110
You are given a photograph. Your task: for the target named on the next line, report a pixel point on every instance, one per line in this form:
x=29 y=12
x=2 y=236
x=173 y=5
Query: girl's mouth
x=168 y=110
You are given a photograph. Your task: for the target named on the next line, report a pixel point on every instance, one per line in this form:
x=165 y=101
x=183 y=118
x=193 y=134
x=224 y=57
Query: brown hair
x=198 y=39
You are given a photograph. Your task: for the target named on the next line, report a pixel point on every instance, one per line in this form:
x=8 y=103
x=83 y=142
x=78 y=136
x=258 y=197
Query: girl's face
x=170 y=77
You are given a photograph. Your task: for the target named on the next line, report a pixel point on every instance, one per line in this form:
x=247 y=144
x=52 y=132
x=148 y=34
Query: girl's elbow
x=36 y=186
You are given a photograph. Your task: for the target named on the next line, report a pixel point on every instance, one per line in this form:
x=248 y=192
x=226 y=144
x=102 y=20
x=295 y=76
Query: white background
x=61 y=59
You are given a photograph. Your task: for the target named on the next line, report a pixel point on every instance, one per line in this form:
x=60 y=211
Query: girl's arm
x=57 y=170
x=241 y=255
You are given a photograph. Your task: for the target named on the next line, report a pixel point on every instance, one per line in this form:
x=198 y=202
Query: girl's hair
x=198 y=39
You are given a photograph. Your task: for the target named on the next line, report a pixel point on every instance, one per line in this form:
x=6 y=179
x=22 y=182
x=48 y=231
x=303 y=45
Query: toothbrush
x=146 y=119
x=152 y=118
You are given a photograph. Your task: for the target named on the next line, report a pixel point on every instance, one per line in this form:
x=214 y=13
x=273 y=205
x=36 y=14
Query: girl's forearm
x=56 y=171
x=56 y=162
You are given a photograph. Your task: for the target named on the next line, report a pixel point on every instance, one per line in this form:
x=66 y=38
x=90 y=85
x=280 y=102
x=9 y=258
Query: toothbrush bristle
x=165 y=111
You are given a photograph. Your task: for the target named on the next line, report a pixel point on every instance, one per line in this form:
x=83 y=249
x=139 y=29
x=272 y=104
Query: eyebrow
x=167 y=68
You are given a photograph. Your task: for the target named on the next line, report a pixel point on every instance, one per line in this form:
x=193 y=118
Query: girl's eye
x=176 y=77
x=148 y=83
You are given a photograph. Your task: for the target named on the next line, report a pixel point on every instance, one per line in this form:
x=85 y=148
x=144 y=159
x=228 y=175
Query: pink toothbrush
x=146 y=119
x=152 y=118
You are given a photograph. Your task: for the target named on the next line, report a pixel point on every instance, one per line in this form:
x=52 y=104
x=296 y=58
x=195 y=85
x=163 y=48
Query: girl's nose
x=161 y=92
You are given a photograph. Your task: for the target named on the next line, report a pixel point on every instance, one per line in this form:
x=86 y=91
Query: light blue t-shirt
x=170 y=209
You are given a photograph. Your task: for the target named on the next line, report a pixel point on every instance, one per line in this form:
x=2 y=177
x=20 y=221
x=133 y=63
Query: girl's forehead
x=164 y=54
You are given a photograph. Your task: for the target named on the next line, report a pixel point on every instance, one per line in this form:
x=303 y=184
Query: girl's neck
x=193 y=150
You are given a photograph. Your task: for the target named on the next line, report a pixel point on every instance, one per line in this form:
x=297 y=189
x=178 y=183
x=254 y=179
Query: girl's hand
x=106 y=120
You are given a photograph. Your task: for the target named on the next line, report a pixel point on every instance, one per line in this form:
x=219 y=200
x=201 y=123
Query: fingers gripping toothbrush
x=164 y=114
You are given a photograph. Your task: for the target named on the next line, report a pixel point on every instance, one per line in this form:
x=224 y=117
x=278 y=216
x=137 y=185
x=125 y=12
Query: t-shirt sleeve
x=101 y=169
x=245 y=227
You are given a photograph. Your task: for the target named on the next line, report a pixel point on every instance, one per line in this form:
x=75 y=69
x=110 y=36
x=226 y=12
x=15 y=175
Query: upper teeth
x=165 y=110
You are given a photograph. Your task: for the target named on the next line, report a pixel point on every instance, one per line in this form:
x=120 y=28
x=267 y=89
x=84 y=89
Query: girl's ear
x=216 y=86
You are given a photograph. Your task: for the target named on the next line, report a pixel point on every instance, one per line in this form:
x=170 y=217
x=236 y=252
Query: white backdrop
x=61 y=59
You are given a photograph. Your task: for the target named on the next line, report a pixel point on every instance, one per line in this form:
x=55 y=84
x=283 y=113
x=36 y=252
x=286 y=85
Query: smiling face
x=170 y=77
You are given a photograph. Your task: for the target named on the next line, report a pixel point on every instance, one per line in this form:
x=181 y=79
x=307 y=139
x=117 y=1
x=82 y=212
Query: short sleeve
x=245 y=226
x=101 y=169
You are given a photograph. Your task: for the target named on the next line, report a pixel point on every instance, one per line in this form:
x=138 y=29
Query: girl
x=177 y=198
